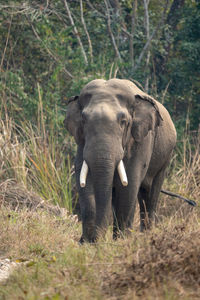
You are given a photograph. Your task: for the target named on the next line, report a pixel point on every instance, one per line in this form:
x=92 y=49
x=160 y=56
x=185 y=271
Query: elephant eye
x=123 y=122
x=122 y=119
x=84 y=117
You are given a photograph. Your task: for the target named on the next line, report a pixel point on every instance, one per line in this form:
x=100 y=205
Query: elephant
x=124 y=139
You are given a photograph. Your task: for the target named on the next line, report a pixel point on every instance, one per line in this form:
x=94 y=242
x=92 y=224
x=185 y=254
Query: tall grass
x=35 y=157
x=185 y=175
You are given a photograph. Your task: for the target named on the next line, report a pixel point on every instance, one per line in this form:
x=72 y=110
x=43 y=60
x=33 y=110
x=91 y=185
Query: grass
x=163 y=263
x=35 y=158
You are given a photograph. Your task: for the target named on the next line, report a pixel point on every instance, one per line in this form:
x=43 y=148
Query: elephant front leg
x=88 y=213
x=87 y=206
x=88 y=216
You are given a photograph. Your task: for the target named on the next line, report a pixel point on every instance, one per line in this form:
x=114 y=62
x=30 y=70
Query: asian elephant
x=118 y=127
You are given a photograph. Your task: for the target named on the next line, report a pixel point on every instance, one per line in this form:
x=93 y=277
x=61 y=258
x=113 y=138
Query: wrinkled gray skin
x=113 y=120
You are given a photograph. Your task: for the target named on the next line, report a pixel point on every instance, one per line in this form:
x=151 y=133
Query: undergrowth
x=37 y=158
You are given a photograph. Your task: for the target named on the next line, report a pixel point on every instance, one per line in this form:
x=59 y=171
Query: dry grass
x=35 y=159
x=163 y=263
x=186 y=173
x=167 y=261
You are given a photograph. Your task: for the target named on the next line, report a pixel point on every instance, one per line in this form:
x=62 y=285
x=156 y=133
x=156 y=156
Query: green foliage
x=40 y=46
x=180 y=67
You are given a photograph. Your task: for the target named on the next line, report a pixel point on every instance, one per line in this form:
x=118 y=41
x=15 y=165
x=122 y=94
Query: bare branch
x=7 y=39
x=86 y=31
x=146 y=46
x=165 y=92
x=116 y=69
x=75 y=31
x=94 y=9
x=110 y=31
x=133 y=25
x=146 y=19
x=128 y=34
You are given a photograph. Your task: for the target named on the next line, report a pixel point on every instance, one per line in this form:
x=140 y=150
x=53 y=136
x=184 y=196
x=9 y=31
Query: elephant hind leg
x=143 y=198
x=148 y=200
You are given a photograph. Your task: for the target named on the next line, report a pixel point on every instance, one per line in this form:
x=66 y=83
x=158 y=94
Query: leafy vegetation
x=60 y=45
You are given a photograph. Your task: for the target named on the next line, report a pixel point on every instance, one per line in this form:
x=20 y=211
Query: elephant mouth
x=120 y=168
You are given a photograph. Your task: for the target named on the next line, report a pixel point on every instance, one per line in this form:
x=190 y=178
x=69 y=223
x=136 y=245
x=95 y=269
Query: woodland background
x=55 y=47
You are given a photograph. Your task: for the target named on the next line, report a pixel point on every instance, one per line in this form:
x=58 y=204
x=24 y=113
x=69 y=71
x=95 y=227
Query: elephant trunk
x=102 y=177
x=102 y=172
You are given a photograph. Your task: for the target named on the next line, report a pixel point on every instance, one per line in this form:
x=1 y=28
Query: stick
x=191 y=202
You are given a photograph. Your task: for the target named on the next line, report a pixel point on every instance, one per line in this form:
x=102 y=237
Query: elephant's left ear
x=146 y=97
x=66 y=101
x=146 y=117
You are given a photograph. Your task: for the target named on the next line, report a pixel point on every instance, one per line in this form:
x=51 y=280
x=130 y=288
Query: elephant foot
x=145 y=224
x=87 y=240
x=122 y=234
x=81 y=241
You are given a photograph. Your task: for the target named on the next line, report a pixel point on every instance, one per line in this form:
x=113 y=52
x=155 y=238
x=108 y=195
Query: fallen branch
x=191 y=202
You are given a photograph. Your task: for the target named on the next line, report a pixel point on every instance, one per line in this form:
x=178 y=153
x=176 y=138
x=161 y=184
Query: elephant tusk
x=83 y=174
x=122 y=173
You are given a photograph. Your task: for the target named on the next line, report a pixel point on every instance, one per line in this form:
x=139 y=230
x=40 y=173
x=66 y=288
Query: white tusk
x=122 y=173
x=83 y=174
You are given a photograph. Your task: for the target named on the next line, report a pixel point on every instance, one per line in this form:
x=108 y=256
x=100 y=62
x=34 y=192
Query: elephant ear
x=146 y=116
x=72 y=120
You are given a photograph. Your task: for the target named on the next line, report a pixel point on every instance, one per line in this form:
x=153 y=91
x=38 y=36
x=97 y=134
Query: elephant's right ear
x=72 y=120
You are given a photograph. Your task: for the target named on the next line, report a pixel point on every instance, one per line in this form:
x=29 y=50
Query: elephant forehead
x=102 y=111
x=110 y=94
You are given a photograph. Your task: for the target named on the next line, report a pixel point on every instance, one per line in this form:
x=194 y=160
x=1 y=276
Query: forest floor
x=47 y=261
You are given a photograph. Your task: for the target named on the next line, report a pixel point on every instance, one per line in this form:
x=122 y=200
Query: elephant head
x=106 y=120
